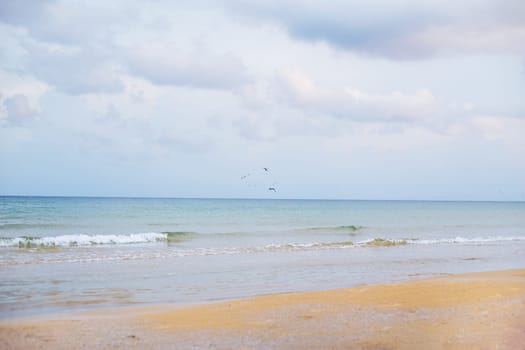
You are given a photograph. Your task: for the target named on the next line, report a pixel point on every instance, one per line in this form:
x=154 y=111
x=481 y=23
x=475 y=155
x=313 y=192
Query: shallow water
x=59 y=254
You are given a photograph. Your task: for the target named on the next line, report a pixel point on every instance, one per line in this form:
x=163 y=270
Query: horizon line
x=260 y=198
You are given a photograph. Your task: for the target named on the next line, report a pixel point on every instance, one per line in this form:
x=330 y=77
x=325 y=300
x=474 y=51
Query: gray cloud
x=68 y=22
x=89 y=69
x=201 y=69
x=22 y=11
x=85 y=48
x=59 y=45
x=74 y=71
x=18 y=109
x=402 y=29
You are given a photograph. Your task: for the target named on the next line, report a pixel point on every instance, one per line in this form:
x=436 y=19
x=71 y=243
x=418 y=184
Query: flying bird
x=257 y=177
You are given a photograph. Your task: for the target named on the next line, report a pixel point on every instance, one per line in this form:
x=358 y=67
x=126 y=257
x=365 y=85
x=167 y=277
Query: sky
x=377 y=99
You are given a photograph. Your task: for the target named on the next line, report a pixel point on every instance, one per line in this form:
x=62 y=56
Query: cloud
x=491 y=127
x=200 y=68
x=297 y=89
x=126 y=87
x=195 y=142
x=18 y=109
x=22 y=11
x=399 y=29
x=72 y=70
x=89 y=48
x=69 y=22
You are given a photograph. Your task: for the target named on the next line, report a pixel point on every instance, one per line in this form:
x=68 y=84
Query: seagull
x=265 y=169
x=245 y=176
x=272 y=189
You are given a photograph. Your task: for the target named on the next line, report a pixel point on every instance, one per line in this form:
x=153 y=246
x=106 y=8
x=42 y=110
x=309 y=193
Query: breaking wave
x=463 y=240
x=87 y=255
x=83 y=240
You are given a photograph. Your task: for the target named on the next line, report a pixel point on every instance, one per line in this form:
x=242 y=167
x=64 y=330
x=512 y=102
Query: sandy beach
x=469 y=311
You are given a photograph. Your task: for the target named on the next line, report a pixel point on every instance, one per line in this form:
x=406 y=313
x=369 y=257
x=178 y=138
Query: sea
x=62 y=254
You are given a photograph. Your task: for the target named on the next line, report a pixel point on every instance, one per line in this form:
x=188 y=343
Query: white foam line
x=463 y=240
x=83 y=240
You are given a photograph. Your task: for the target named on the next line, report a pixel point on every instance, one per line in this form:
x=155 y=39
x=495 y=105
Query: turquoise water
x=58 y=254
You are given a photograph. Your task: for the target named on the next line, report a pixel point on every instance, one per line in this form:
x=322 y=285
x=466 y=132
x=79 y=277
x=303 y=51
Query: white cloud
x=353 y=104
x=504 y=129
x=461 y=38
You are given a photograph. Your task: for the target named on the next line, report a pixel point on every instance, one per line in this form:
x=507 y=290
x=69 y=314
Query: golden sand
x=470 y=311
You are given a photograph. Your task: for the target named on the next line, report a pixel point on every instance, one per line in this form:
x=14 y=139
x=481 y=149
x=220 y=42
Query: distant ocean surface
x=65 y=253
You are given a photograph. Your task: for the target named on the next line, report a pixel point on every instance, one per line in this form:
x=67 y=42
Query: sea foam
x=465 y=240
x=82 y=240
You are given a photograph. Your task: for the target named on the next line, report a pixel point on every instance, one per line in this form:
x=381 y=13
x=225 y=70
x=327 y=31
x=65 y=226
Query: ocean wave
x=307 y=246
x=351 y=230
x=75 y=240
x=84 y=240
x=382 y=242
x=343 y=228
x=86 y=255
x=465 y=240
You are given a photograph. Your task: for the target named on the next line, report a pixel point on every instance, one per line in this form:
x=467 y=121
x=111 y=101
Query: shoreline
x=473 y=310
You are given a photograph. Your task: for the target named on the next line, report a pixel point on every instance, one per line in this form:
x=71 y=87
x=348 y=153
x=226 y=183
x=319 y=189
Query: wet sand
x=469 y=311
